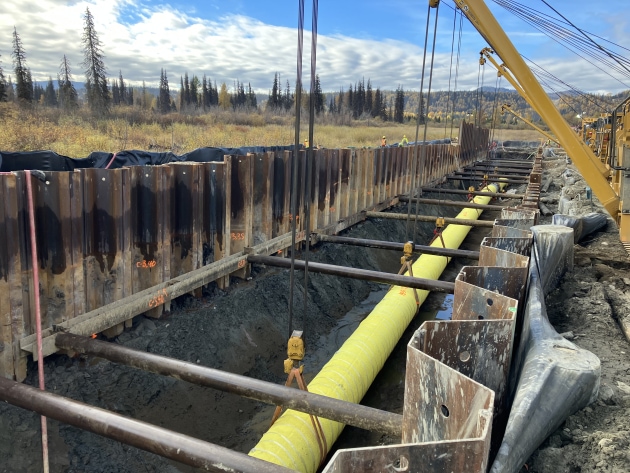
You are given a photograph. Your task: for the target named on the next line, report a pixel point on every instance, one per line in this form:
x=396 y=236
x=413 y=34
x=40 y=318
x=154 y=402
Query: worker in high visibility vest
x=404 y=141
x=383 y=141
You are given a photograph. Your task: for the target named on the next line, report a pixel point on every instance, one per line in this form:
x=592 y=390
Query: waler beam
x=452 y=203
x=430 y=218
x=439 y=190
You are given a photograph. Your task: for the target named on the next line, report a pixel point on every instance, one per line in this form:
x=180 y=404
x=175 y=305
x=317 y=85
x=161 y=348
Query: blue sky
x=251 y=40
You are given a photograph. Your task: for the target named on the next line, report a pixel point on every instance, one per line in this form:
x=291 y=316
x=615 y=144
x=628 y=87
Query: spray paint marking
x=146 y=264
x=159 y=299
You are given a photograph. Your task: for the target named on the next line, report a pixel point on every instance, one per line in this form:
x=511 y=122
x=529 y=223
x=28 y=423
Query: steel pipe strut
x=439 y=190
x=392 y=245
x=341 y=411
x=452 y=177
x=363 y=274
x=452 y=203
x=166 y=443
x=430 y=218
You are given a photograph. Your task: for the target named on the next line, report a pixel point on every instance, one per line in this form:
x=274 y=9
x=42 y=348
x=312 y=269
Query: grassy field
x=79 y=134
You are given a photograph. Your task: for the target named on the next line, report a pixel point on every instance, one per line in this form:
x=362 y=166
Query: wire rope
x=415 y=148
x=294 y=180
x=309 y=157
x=426 y=123
x=450 y=72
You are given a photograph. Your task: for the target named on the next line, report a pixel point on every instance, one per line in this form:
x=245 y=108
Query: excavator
x=607 y=175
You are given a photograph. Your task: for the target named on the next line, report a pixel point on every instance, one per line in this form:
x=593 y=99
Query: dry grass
x=79 y=134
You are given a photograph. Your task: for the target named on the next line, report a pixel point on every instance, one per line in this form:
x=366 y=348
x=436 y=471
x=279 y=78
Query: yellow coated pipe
x=291 y=440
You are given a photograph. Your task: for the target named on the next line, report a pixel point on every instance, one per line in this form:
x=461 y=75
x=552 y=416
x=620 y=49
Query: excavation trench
x=242 y=330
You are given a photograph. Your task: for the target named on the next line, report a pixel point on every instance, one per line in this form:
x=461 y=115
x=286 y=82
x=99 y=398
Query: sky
x=251 y=40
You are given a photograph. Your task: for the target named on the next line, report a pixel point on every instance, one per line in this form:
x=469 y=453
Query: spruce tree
x=122 y=89
x=318 y=96
x=399 y=105
x=24 y=86
x=194 y=91
x=205 y=94
x=50 y=96
x=164 y=95
x=96 y=88
x=3 y=85
x=368 y=98
x=68 y=97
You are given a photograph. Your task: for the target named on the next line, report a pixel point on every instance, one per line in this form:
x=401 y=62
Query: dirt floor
x=243 y=330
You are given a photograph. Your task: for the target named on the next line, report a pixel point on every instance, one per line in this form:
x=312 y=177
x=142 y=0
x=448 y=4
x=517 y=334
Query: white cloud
x=139 y=41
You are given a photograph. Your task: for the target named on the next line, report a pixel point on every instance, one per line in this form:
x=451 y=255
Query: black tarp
x=51 y=161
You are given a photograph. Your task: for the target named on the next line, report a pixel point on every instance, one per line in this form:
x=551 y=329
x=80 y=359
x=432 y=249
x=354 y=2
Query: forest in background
x=104 y=112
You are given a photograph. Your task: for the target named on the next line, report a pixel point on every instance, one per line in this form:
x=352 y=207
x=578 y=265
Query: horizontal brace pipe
x=511 y=162
x=363 y=274
x=465 y=192
x=109 y=315
x=452 y=203
x=166 y=443
x=392 y=245
x=491 y=175
x=507 y=170
x=478 y=179
x=430 y=218
x=321 y=406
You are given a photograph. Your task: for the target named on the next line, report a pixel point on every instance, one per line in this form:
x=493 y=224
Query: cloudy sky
x=250 y=40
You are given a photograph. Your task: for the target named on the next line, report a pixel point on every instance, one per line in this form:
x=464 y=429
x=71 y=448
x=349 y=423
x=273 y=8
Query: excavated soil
x=243 y=330
x=587 y=307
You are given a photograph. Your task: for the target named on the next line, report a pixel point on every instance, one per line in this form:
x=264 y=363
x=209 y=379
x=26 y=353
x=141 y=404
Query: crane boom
x=506 y=108
x=586 y=162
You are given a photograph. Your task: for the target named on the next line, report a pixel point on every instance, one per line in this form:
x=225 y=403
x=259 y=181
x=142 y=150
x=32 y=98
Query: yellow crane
x=506 y=108
x=595 y=172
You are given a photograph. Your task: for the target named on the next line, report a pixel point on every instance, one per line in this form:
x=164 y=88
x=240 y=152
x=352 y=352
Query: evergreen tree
x=182 y=95
x=318 y=96
x=205 y=94
x=214 y=95
x=122 y=90
x=376 y=104
x=187 y=96
x=164 y=95
x=368 y=99
x=24 y=85
x=287 y=97
x=340 y=101
x=194 y=92
x=350 y=100
x=251 y=101
x=399 y=105
x=275 y=99
x=38 y=93
x=96 y=88
x=3 y=85
x=50 y=96
x=68 y=97
x=115 y=94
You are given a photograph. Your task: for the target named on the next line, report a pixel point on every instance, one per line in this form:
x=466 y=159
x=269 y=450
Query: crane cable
x=426 y=122
x=415 y=148
x=306 y=177
x=294 y=180
x=450 y=72
x=495 y=106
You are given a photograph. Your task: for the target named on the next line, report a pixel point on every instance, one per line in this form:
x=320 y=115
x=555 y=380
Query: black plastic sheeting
x=582 y=226
x=51 y=161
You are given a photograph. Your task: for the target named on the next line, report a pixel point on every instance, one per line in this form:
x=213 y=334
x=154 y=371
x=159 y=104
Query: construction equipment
x=610 y=182
x=507 y=108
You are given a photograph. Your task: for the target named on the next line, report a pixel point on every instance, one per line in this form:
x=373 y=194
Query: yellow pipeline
x=291 y=441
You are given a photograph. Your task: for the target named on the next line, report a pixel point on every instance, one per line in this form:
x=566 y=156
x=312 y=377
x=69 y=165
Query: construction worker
x=306 y=143
x=404 y=141
x=383 y=141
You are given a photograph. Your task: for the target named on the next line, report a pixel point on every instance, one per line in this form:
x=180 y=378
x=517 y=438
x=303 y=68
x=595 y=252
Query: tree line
x=359 y=102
